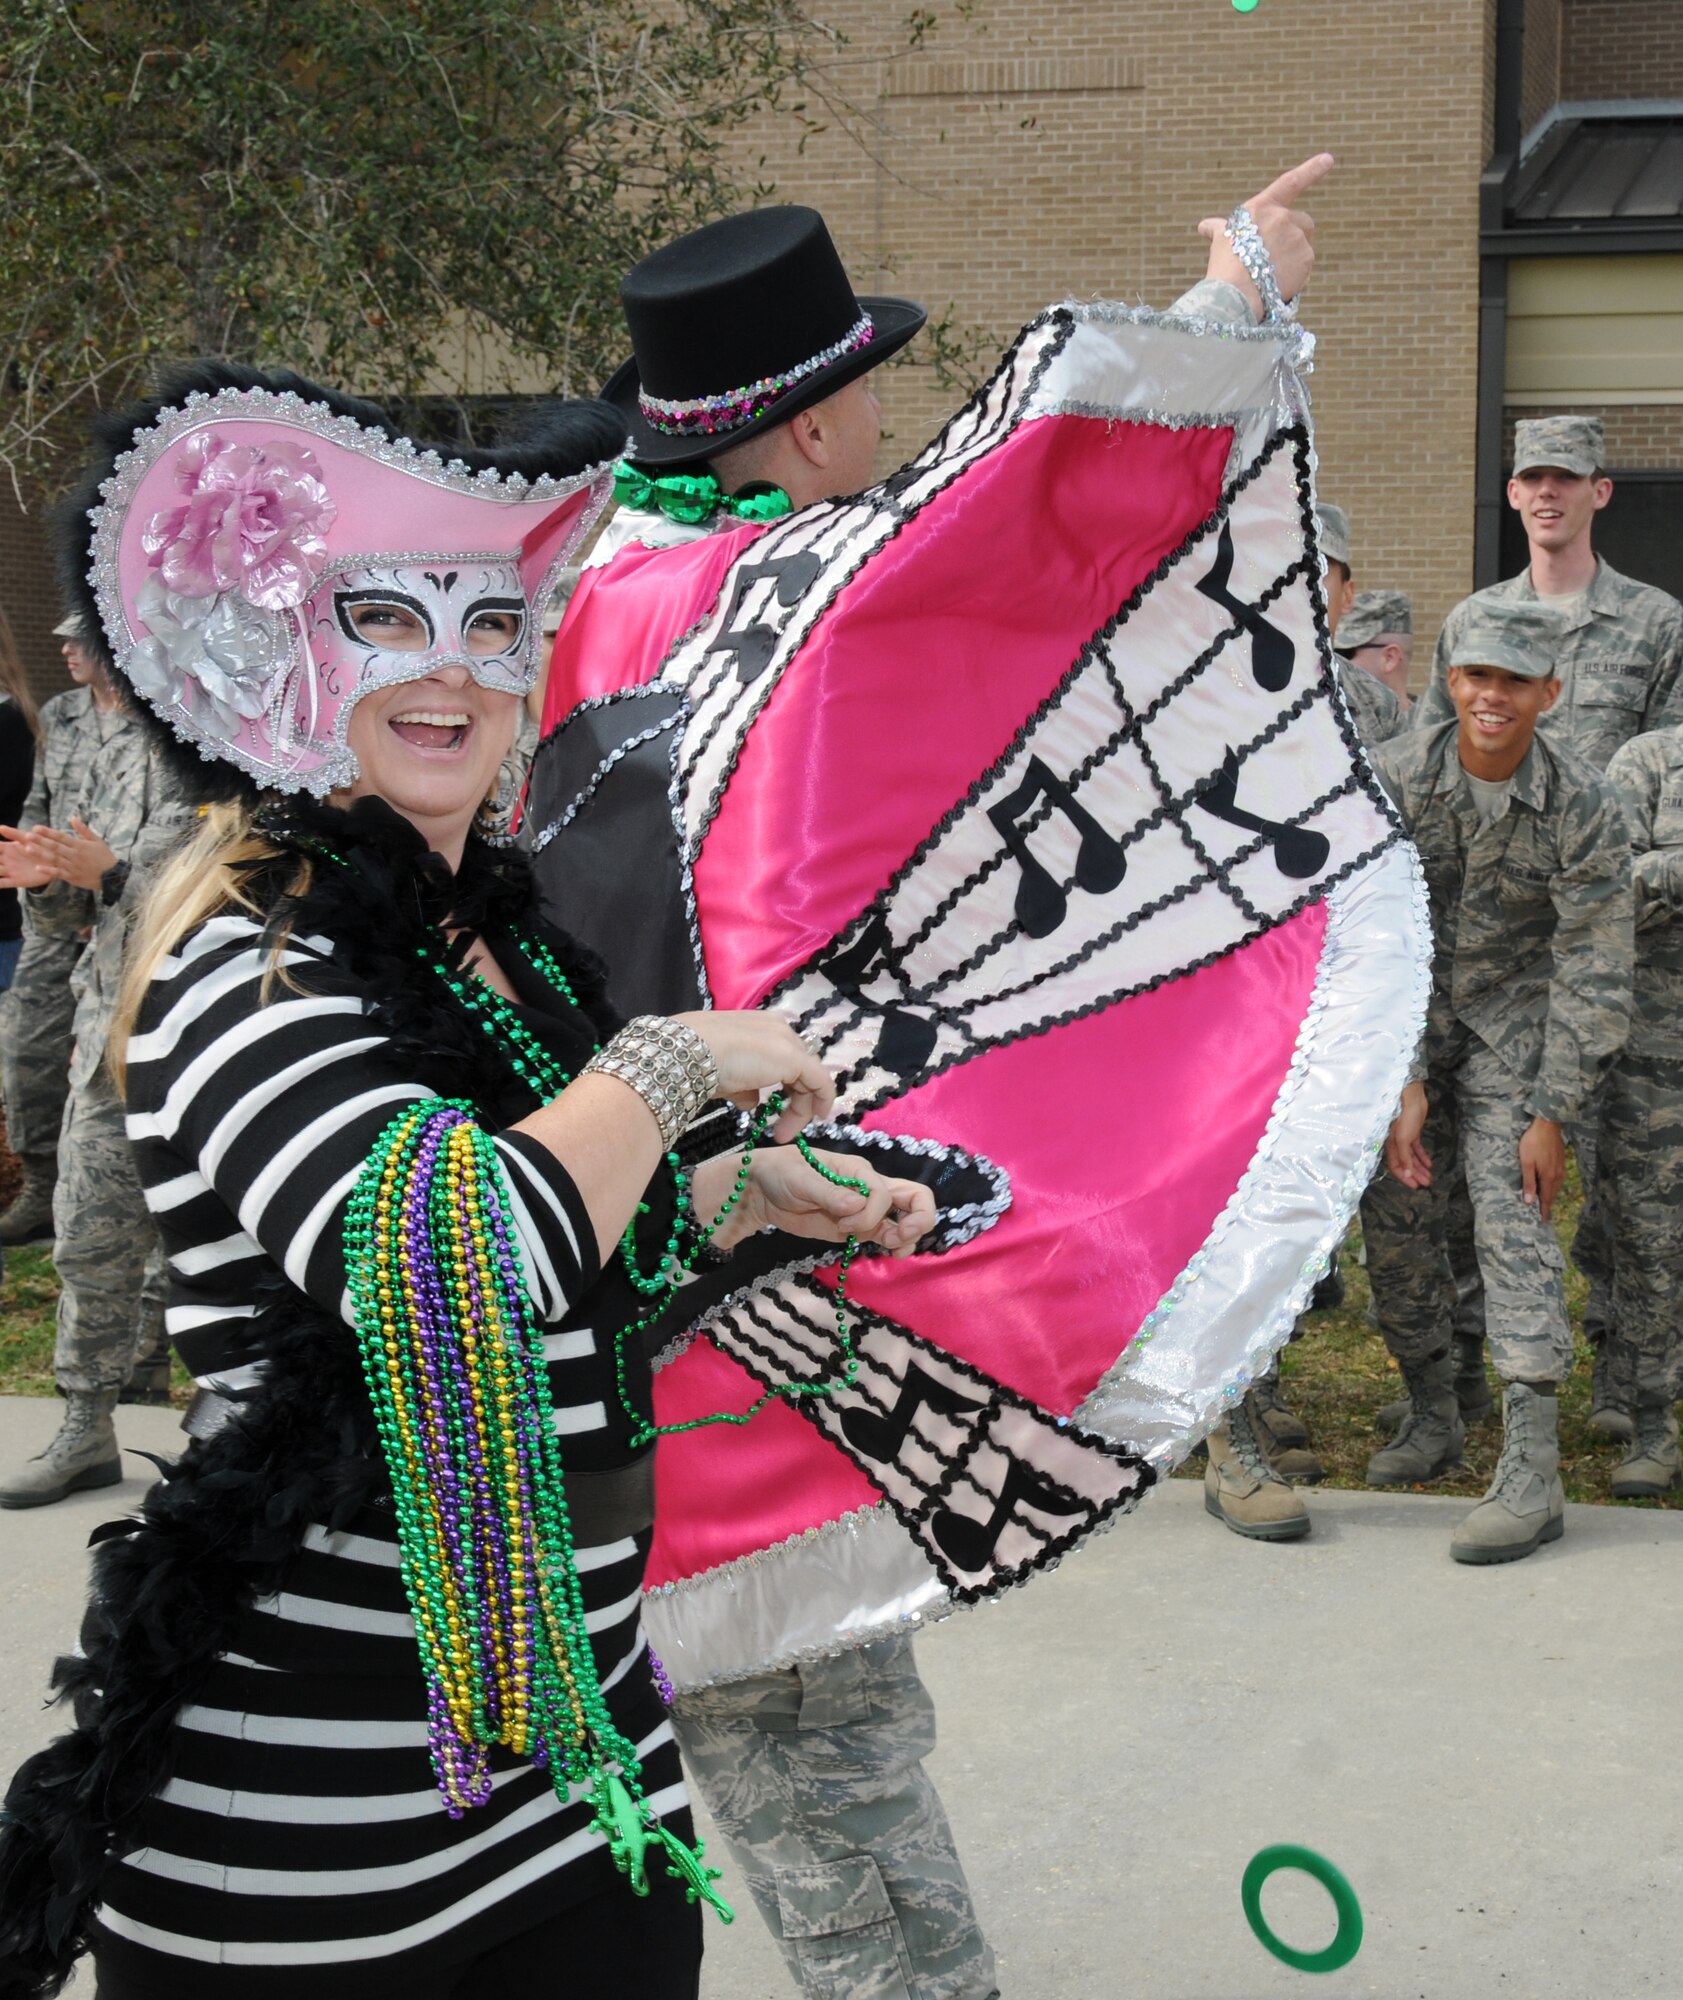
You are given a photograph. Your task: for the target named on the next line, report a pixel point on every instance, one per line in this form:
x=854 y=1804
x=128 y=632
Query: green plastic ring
x=1347 y=1940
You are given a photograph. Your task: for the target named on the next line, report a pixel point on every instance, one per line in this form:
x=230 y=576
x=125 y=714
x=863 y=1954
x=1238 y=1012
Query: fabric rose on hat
x=254 y=520
x=212 y=657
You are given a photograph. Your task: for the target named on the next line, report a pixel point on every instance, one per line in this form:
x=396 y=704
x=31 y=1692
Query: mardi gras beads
x=460 y=1391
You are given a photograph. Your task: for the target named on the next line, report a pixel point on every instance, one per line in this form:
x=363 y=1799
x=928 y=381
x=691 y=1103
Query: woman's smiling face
x=432 y=747
x=440 y=652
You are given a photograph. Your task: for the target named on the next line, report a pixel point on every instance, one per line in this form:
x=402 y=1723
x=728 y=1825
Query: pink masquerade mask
x=261 y=564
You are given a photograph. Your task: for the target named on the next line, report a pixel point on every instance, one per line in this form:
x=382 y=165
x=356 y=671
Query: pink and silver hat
x=245 y=516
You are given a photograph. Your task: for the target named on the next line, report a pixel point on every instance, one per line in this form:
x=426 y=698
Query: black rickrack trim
x=1214 y=873
x=902 y=1086
x=1237 y=859
x=1320 y=687
x=1083 y=659
x=1172 y=806
x=995 y=1396
x=1010 y=418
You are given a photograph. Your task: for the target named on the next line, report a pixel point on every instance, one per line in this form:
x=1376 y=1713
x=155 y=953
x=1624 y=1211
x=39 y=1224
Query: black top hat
x=737 y=326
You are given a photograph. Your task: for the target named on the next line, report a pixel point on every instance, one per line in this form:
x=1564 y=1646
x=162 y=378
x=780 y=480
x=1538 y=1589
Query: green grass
x=28 y=1301
x=1339 y=1374
x=1335 y=1378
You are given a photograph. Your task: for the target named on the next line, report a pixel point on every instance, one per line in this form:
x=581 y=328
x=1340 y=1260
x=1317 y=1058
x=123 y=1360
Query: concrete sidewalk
x=1489 y=1755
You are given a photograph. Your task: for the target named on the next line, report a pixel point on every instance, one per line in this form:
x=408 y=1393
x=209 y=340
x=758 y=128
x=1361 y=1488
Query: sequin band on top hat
x=240 y=527
x=738 y=326
x=684 y=416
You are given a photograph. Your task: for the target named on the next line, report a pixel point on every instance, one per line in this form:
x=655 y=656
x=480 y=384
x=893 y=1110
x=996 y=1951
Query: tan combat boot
x=1243 y=1489
x=28 y=1216
x=84 y=1454
x=1525 y=1505
x=1472 y=1387
x=1653 y=1467
x=1608 y=1418
x=1282 y=1434
x=1432 y=1434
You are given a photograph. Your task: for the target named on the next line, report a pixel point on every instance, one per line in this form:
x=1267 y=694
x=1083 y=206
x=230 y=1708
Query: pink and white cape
x=1020 y=784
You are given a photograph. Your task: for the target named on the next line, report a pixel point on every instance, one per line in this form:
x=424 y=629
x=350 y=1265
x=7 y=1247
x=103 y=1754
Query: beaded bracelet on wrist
x=670 y=1067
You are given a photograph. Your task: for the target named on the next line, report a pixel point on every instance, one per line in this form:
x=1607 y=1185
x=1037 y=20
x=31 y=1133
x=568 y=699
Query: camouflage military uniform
x=1375 y=711
x=1642 y=1126
x=1621 y=663
x=1531 y=915
x=817 y=1781
x=110 y=1309
x=35 y=1015
x=1621 y=670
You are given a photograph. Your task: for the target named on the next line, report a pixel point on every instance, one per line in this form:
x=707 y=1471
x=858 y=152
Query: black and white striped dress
x=301 y=1837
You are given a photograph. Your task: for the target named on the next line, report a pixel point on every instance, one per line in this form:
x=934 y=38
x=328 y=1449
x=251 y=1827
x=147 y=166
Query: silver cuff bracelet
x=670 y=1067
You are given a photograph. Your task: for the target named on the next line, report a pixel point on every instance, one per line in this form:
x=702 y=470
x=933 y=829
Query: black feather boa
x=223 y=1524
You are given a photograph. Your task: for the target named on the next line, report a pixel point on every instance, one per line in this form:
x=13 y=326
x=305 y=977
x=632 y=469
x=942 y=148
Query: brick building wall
x=1641 y=437
x=1049 y=148
x=29 y=593
x=1621 y=48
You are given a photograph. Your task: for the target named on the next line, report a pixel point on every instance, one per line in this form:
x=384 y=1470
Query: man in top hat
x=1621 y=673
x=1528 y=872
x=748 y=393
x=1377 y=635
x=35 y=1015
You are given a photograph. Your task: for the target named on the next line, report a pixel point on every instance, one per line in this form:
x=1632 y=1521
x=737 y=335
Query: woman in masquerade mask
x=363 y=1700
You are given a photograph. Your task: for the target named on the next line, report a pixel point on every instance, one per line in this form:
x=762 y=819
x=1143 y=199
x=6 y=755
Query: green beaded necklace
x=532 y=1062
x=545 y=1077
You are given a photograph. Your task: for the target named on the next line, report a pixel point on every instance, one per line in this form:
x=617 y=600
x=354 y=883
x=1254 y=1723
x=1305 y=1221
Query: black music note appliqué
x=1100 y=860
x=969 y=1544
x=753 y=646
x=1299 y=851
x=880 y=1437
x=905 y=1040
x=1272 y=651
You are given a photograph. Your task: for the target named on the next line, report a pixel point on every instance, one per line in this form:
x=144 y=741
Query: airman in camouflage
x=1377 y=635
x=1642 y=1127
x=1528 y=873
x=105 y=1247
x=819 y=1786
x=1621 y=657
x=1375 y=711
x=1621 y=672
x=35 y=1015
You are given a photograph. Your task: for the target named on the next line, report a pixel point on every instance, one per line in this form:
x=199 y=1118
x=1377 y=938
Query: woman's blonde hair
x=213 y=872
x=13 y=680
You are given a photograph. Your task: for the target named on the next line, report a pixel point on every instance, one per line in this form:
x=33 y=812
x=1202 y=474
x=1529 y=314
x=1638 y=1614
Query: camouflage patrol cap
x=1334 y=525
x=1521 y=637
x=1575 y=444
x=1372 y=616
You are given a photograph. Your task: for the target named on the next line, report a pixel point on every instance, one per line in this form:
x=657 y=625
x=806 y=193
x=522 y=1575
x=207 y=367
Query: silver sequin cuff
x=1252 y=252
x=670 y=1067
